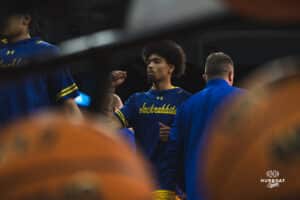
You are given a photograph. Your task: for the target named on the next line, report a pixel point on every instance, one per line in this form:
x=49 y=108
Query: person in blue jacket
x=195 y=115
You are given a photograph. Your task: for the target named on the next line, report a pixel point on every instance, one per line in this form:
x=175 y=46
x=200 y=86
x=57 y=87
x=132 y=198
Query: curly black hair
x=169 y=50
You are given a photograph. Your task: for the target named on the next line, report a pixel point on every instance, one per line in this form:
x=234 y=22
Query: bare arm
x=70 y=108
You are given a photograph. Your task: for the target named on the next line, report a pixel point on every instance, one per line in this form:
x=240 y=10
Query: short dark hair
x=218 y=64
x=169 y=50
x=25 y=7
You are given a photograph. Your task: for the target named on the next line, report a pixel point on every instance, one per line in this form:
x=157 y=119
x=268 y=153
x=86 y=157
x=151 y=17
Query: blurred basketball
x=268 y=168
x=267 y=10
x=240 y=126
x=51 y=157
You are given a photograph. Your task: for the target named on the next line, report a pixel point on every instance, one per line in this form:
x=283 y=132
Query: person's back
x=199 y=111
x=195 y=115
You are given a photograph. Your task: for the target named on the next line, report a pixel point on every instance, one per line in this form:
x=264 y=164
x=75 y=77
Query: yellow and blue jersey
x=26 y=96
x=143 y=112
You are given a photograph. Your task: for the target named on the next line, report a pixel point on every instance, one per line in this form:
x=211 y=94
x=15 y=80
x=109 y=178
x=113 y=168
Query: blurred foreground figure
x=54 y=158
x=32 y=93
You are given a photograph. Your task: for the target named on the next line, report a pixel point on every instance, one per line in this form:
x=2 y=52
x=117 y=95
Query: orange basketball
x=240 y=127
x=269 y=167
x=50 y=157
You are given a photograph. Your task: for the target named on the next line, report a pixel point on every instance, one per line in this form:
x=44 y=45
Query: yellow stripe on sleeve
x=67 y=88
x=122 y=118
x=66 y=91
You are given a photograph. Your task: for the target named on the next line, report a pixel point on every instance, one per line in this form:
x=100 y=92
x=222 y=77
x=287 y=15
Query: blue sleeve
x=62 y=86
x=128 y=112
x=174 y=154
x=45 y=51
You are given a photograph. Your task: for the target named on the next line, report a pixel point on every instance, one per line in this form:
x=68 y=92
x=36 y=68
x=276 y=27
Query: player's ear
x=171 y=69
x=231 y=77
x=26 y=20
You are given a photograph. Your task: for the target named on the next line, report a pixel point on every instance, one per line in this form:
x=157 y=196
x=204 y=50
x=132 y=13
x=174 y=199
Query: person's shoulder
x=46 y=46
x=183 y=92
x=201 y=93
x=191 y=99
x=43 y=43
x=197 y=97
x=137 y=96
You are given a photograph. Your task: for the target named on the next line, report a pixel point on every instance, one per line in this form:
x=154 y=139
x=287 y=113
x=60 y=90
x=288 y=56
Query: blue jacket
x=188 y=132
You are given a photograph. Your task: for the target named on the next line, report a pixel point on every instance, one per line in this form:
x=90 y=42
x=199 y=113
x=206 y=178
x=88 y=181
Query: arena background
x=249 y=41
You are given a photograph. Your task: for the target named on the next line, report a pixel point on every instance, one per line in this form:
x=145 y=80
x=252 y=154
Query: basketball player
x=151 y=113
x=25 y=97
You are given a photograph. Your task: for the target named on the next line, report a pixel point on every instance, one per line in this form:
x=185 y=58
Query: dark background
x=250 y=43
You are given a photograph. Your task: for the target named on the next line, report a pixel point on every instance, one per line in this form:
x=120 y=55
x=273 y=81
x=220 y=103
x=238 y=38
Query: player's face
x=12 y=26
x=158 y=69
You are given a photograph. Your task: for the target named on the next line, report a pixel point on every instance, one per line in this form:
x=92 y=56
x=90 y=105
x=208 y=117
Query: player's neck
x=18 y=38
x=162 y=85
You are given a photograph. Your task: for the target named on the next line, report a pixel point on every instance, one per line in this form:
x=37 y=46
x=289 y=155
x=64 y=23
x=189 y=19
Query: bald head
x=219 y=65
